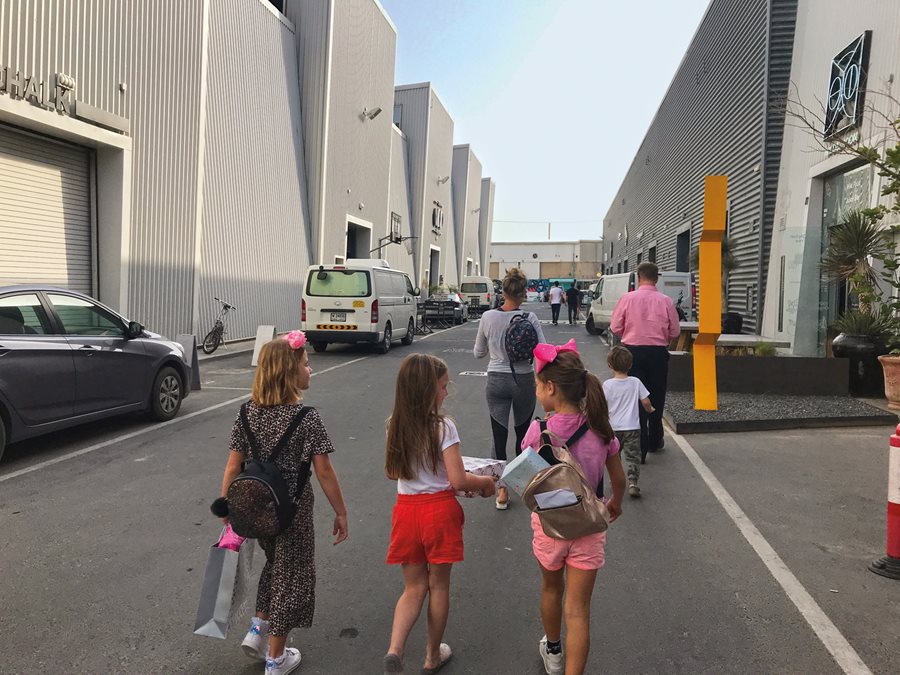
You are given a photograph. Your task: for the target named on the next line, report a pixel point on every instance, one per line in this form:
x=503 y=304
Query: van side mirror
x=417 y=291
x=135 y=330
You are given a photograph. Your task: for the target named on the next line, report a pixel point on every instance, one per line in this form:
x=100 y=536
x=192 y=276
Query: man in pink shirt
x=646 y=321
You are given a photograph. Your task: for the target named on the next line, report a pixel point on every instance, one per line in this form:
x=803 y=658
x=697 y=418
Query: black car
x=66 y=359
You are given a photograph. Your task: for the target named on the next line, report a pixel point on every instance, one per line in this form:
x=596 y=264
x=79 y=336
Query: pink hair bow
x=546 y=353
x=296 y=339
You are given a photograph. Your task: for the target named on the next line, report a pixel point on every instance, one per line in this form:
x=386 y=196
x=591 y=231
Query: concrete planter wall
x=796 y=375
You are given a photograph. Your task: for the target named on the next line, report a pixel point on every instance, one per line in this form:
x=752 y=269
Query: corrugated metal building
x=466 y=181
x=719 y=116
x=818 y=184
x=155 y=153
x=429 y=129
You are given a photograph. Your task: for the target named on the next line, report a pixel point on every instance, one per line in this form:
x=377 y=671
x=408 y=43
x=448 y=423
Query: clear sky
x=554 y=96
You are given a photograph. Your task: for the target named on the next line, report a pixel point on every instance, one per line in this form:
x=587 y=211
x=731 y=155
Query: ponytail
x=595 y=407
x=581 y=387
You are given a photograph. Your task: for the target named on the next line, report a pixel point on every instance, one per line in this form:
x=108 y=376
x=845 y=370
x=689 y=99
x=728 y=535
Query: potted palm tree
x=732 y=322
x=853 y=245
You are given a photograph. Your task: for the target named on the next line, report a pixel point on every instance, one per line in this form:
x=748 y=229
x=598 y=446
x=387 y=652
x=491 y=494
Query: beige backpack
x=588 y=515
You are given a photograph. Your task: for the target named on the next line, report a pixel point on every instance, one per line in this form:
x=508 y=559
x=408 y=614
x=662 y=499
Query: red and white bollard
x=889 y=565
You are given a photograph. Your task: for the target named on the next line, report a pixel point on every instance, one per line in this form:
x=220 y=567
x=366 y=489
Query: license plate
x=339 y=316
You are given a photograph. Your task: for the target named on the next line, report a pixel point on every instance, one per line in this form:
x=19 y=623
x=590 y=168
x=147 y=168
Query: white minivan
x=611 y=287
x=360 y=301
x=477 y=292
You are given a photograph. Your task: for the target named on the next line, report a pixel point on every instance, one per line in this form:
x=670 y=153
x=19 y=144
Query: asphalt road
x=102 y=553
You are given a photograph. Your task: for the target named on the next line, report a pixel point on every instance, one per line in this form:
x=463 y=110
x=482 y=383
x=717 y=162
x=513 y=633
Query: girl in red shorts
x=569 y=567
x=423 y=456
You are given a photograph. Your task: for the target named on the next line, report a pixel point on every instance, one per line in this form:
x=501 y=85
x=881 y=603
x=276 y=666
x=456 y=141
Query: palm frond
x=852 y=245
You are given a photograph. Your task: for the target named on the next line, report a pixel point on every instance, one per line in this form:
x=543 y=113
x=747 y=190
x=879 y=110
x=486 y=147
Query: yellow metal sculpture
x=710 y=288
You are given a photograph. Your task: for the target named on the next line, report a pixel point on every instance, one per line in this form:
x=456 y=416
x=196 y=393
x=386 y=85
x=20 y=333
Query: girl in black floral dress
x=286 y=595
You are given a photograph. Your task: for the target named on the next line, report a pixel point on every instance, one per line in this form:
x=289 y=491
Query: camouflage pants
x=630 y=447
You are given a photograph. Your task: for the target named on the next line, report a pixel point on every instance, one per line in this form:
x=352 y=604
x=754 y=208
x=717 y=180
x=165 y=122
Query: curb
x=777 y=424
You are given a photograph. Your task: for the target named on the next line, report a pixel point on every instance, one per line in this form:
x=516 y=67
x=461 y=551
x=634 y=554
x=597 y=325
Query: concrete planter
x=792 y=375
x=891 y=366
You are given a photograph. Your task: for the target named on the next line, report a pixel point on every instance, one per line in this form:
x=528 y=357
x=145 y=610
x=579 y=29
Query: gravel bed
x=771 y=411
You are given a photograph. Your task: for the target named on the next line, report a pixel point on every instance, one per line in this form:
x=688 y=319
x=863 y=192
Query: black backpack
x=259 y=504
x=519 y=340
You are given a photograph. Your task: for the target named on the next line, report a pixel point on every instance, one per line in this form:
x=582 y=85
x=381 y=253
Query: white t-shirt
x=427 y=482
x=623 y=398
x=556 y=295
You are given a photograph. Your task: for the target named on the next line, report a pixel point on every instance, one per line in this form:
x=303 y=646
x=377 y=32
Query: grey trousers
x=505 y=394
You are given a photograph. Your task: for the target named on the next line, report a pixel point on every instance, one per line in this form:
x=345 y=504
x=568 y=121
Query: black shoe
x=662 y=445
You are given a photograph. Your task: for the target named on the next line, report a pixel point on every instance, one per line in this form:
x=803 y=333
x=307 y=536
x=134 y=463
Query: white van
x=677 y=285
x=360 y=301
x=477 y=292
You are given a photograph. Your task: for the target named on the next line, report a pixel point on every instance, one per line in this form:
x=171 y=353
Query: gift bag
x=519 y=472
x=229 y=586
x=481 y=466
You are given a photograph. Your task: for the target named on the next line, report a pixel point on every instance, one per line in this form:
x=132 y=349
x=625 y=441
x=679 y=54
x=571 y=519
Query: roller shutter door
x=45 y=212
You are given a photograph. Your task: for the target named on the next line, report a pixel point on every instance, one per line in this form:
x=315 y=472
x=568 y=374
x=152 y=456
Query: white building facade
x=857 y=52
x=155 y=154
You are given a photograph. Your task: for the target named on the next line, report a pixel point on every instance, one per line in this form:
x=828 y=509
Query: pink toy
x=230 y=540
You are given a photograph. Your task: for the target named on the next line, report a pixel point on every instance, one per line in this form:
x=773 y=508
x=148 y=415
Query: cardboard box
x=481 y=466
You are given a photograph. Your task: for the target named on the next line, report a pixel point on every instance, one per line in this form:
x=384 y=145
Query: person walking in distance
x=510 y=384
x=556 y=299
x=647 y=322
x=624 y=396
x=573 y=302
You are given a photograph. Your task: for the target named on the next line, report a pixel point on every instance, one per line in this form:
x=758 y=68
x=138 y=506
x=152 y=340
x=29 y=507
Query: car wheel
x=166 y=395
x=211 y=341
x=410 y=332
x=589 y=325
x=2 y=439
x=319 y=347
x=385 y=345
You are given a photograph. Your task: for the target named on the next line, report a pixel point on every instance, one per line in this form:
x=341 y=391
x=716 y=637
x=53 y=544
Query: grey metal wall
x=359 y=149
x=153 y=47
x=486 y=222
x=255 y=232
x=711 y=121
x=312 y=22
x=414 y=107
x=466 y=206
x=398 y=255
x=440 y=163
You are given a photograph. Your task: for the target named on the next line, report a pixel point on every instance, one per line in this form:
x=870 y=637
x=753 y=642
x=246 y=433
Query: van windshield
x=474 y=288
x=342 y=283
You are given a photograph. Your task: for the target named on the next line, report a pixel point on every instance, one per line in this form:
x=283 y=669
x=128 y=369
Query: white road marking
x=149 y=429
x=442 y=330
x=206 y=386
x=828 y=634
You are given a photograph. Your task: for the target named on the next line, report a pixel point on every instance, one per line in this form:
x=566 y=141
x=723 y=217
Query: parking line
x=841 y=650
x=148 y=429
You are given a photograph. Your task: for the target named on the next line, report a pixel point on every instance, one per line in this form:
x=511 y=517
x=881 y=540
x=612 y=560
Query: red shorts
x=426 y=528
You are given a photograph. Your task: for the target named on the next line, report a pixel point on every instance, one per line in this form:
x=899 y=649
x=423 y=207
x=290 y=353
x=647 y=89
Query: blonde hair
x=515 y=284
x=415 y=426
x=277 y=380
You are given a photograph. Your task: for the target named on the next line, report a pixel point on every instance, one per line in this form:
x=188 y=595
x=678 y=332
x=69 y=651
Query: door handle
x=89 y=349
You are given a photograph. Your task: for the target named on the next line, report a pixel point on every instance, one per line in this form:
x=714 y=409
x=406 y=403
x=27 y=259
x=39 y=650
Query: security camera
x=372 y=114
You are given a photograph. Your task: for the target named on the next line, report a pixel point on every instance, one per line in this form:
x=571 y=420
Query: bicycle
x=215 y=337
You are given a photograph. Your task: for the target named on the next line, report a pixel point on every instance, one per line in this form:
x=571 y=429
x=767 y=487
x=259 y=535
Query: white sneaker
x=255 y=643
x=553 y=663
x=289 y=663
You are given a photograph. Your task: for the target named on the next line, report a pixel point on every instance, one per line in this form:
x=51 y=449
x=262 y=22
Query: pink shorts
x=585 y=553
